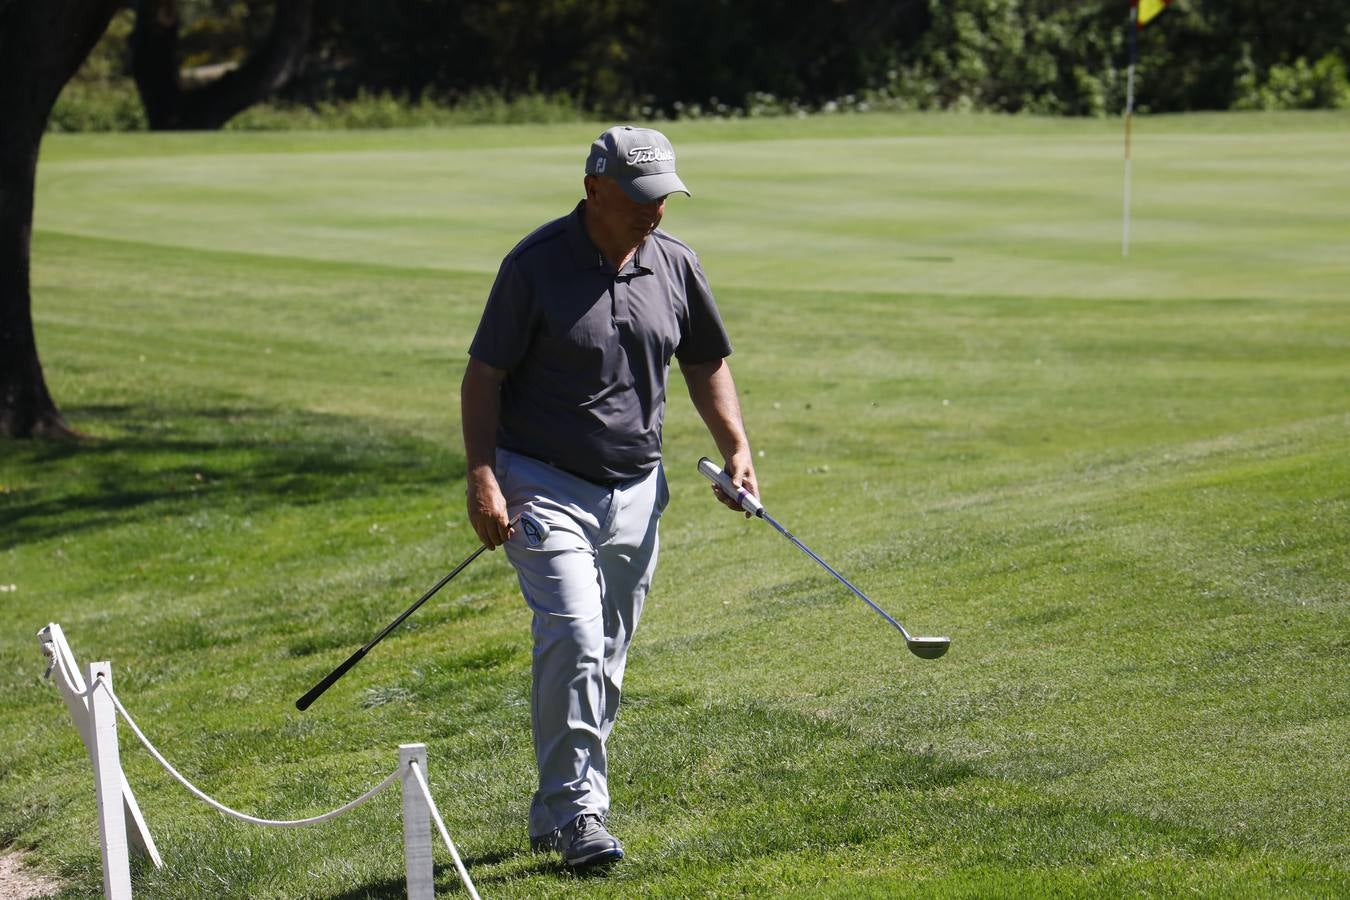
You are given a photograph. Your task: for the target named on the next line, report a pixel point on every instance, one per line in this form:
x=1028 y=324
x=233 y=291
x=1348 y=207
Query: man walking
x=562 y=404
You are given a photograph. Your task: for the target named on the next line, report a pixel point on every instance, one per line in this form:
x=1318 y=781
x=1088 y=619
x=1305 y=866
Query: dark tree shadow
x=168 y=460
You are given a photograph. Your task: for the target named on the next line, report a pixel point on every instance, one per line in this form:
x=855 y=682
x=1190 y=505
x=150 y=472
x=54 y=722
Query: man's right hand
x=487 y=508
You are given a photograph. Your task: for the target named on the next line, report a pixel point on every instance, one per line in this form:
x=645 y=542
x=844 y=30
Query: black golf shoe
x=583 y=842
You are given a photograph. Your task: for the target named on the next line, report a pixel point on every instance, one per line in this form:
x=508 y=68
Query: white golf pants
x=585 y=584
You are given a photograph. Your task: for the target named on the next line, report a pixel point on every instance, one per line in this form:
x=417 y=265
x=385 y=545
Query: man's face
x=620 y=217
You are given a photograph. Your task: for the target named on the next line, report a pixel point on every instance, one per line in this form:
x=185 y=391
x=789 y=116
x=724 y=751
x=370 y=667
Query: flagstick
x=1129 y=117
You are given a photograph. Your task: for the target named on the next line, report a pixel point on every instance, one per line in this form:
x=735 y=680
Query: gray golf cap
x=641 y=160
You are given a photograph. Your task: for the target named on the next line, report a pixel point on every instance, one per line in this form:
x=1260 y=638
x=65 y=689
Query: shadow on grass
x=447 y=879
x=388 y=889
x=172 y=461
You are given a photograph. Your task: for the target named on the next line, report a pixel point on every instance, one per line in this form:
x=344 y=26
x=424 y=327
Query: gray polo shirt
x=587 y=349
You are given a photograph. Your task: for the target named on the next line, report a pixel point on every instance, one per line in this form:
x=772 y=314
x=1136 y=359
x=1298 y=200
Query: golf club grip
x=713 y=472
x=315 y=692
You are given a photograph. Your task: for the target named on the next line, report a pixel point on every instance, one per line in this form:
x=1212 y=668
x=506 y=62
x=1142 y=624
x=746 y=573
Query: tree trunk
x=42 y=43
x=26 y=406
x=169 y=106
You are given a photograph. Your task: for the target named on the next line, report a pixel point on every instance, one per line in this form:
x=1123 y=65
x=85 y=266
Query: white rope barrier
x=217 y=805
x=440 y=826
x=122 y=827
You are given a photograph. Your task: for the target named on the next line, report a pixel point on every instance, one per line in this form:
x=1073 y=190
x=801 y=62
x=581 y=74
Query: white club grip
x=748 y=501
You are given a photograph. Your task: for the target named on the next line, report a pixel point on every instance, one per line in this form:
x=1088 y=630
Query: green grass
x=1122 y=486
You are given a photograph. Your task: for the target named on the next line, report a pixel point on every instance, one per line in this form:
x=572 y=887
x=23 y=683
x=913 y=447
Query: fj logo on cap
x=600 y=165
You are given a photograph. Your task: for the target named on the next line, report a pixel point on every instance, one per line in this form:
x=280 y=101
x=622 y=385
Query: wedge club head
x=928 y=647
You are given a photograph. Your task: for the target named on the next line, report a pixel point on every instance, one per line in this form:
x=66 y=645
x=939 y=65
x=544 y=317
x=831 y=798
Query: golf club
x=534 y=531
x=924 y=647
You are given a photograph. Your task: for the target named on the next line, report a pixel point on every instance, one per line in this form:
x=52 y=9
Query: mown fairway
x=1121 y=486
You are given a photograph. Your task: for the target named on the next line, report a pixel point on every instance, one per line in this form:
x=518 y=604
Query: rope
x=244 y=817
x=59 y=668
x=440 y=826
x=278 y=823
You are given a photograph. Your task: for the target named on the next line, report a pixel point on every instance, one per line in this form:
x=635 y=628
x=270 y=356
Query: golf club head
x=535 y=531
x=928 y=647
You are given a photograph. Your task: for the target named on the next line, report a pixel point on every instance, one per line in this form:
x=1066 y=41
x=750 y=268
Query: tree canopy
x=689 y=57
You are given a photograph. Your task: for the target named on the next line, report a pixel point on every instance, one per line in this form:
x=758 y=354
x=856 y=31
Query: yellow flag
x=1147 y=10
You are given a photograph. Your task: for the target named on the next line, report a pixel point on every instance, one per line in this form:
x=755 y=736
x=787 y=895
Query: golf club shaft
x=750 y=503
x=828 y=568
x=329 y=679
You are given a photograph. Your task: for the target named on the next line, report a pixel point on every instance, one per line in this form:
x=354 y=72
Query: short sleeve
x=705 y=338
x=505 y=330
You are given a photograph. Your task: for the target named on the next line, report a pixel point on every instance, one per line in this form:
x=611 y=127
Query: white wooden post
x=416 y=825
x=54 y=645
x=112 y=824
